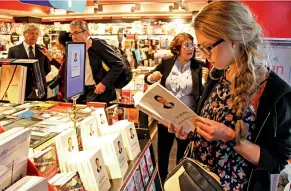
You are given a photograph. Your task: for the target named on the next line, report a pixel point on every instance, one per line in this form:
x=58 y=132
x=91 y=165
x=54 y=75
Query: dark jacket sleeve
x=157 y=68
x=55 y=63
x=274 y=159
x=108 y=55
x=47 y=66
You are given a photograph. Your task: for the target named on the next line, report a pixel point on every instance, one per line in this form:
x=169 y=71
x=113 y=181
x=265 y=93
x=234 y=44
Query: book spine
x=159 y=119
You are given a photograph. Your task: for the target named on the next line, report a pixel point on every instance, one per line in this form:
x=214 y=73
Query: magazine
x=163 y=106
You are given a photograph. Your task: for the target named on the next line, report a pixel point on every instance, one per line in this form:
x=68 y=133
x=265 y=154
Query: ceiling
x=13 y=8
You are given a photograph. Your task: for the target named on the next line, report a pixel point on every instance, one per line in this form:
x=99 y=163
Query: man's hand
x=45 y=52
x=100 y=88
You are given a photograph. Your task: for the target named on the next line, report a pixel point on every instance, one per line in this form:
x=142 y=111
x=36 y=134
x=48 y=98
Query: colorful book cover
x=46 y=162
x=144 y=171
x=73 y=182
x=138 y=179
x=149 y=161
x=131 y=186
x=12 y=81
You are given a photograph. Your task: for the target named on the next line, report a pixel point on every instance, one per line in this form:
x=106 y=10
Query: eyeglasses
x=207 y=50
x=188 y=45
x=76 y=33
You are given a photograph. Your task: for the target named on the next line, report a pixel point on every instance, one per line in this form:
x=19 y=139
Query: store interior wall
x=274 y=16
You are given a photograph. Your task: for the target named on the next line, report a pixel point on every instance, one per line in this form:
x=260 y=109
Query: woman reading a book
x=246 y=136
x=181 y=74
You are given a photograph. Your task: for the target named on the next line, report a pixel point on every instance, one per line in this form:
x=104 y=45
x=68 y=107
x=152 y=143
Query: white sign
x=280 y=56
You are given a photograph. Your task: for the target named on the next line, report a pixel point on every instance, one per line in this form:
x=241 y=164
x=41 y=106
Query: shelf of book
x=120 y=184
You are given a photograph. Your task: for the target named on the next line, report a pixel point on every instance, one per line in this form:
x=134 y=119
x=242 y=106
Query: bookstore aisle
x=101 y=153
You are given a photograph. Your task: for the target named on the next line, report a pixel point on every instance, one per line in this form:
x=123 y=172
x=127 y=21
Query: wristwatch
x=231 y=143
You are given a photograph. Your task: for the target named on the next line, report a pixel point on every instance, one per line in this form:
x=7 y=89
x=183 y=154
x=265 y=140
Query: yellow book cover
x=12 y=83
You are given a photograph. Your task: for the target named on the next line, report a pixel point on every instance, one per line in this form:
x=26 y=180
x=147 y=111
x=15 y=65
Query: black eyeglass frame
x=76 y=33
x=207 y=50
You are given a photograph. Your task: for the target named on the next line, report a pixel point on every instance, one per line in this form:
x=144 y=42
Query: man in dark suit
x=30 y=50
x=98 y=81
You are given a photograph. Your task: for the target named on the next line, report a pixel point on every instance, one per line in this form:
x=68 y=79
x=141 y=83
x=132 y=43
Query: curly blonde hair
x=234 y=22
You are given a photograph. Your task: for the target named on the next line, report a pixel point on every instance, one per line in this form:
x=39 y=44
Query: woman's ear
x=234 y=44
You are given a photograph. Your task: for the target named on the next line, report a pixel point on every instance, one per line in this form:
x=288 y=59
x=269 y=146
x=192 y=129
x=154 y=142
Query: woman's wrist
x=229 y=135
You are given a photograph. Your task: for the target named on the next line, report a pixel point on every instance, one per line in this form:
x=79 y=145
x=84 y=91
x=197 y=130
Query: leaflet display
x=75 y=69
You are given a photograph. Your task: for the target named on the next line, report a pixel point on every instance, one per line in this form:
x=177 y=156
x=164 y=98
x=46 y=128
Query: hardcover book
x=166 y=108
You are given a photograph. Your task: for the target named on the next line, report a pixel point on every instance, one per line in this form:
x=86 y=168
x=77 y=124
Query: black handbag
x=189 y=174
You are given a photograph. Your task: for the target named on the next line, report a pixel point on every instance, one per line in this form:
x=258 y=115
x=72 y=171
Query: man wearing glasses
x=29 y=49
x=98 y=81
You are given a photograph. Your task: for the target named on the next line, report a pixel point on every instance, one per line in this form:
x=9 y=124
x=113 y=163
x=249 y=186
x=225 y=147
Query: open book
x=163 y=106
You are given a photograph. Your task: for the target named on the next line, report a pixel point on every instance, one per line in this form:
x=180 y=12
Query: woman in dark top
x=58 y=63
x=181 y=74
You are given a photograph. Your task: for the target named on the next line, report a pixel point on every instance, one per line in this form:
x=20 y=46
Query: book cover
x=132 y=115
x=20 y=123
x=46 y=162
x=100 y=117
x=98 y=170
x=6 y=120
x=129 y=137
x=89 y=131
x=30 y=183
x=120 y=152
x=12 y=81
x=41 y=143
x=144 y=171
x=138 y=179
x=66 y=144
x=73 y=182
x=14 y=154
x=131 y=186
x=162 y=105
x=149 y=161
x=112 y=114
x=10 y=110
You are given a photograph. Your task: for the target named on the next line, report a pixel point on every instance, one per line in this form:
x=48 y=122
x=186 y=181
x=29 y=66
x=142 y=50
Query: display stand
x=74 y=98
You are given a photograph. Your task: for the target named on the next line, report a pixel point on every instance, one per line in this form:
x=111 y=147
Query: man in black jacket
x=29 y=49
x=98 y=80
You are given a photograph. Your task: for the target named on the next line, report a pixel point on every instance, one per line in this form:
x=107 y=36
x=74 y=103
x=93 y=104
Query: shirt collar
x=179 y=65
x=26 y=46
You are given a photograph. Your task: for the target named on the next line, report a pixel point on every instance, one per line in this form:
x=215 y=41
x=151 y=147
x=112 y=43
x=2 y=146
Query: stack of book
x=89 y=131
x=14 y=147
x=113 y=151
x=129 y=136
x=91 y=166
x=67 y=146
x=30 y=183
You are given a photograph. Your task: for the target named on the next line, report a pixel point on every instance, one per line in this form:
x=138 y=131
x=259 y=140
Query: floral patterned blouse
x=230 y=166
